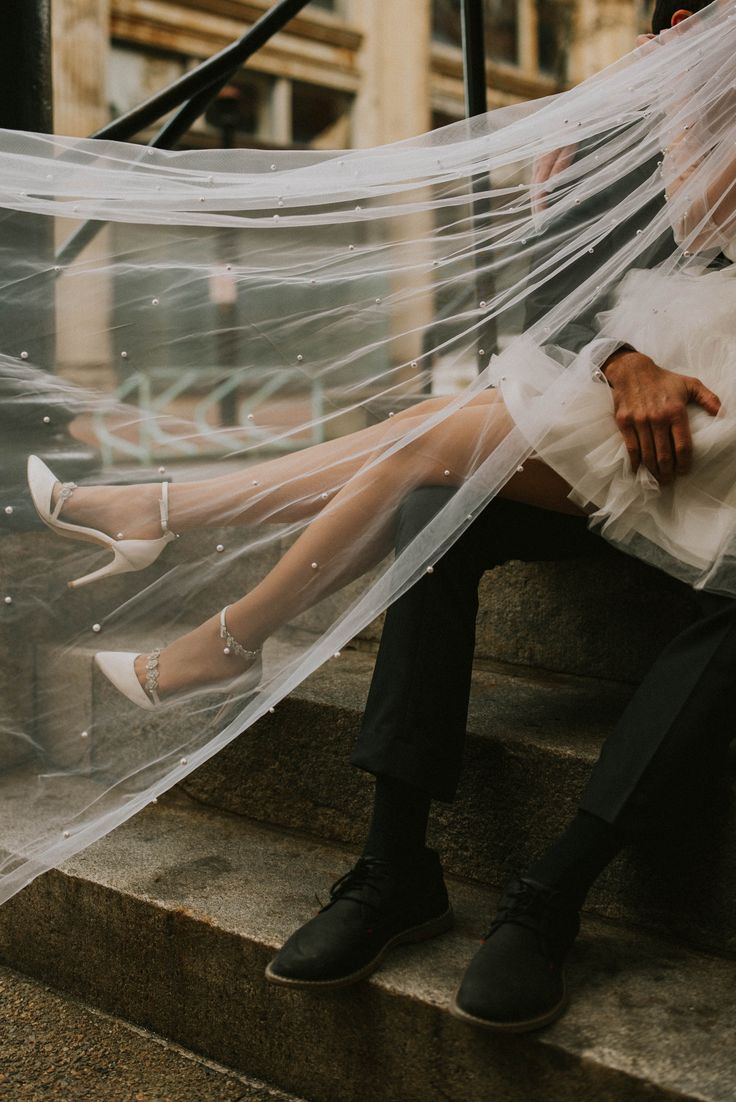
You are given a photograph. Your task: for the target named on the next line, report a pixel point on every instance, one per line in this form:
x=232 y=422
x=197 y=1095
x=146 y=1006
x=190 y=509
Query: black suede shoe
x=373 y=908
x=516 y=982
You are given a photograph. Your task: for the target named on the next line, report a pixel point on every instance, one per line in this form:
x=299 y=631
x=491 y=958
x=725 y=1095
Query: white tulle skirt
x=687 y=324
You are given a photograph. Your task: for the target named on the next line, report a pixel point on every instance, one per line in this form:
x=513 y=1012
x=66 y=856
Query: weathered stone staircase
x=169 y=921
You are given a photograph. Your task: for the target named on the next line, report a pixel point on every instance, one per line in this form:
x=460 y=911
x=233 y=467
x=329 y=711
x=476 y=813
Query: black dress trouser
x=672 y=736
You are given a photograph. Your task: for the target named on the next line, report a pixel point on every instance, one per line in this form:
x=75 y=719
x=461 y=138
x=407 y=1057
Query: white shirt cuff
x=597 y=352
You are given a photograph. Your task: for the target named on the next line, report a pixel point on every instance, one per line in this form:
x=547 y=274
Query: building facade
x=346 y=73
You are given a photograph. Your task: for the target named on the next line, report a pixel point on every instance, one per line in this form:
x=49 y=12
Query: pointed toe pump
x=119 y=668
x=127 y=555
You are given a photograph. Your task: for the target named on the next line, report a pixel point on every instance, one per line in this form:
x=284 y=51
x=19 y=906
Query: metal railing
x=192 y=93
x=25 y=104
x=199 y=86
x=28 y=35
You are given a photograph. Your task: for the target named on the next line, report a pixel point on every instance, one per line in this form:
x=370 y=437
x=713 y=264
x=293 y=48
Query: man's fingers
x=563 y=159
x=652 y=415
x=631 y=440
x=683 y=442
x=665 y=452
x=543 y=167
x=549 y=164
x=546 y=168
x=558 y=162
x=706 y=398
x=648 y=448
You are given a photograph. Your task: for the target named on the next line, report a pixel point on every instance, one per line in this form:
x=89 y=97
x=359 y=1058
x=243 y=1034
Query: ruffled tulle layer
x=685 y=323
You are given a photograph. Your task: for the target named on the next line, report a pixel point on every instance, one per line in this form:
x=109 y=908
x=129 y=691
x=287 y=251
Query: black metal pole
x=34 y=415
x=202 y=85
x=224 y=112
x=214 y=73
x=26 y=103
x=25 y=66
x=476 y=103
x=474 y=55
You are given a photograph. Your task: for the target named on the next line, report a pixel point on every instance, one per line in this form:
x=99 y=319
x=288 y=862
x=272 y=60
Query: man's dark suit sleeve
x=583 y=328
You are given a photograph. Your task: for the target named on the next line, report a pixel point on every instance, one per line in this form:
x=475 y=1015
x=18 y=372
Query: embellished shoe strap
x=163 y=505
x=151 y=685
x=232 y=646
x=67 y=489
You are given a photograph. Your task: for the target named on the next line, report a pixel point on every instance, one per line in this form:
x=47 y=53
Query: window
x=242 y=112
x=135 y=73
x=502 y=30
x=442 y=118
x=545 y=48
x=259 y=110
x=320 y=117
x=555 y=32
x=501 y=27
x=446 y=22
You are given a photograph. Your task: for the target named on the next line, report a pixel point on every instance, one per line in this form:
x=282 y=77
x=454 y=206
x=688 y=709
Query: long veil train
x=245 y=306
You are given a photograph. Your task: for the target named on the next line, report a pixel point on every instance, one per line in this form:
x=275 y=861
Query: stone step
x=533 y=738
x=170 y=921
x=606 y=616
x=532 y=741
x=55 y=1048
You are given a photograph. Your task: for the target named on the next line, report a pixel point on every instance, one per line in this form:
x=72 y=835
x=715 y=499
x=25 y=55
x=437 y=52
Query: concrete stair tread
x=555 y=711
x=560 y=712
x=604 y=616
x=184 y=905
x=533 y=737
x=54 y=1047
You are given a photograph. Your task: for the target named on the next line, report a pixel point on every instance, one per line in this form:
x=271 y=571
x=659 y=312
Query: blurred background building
x=348 y=73
x=345 y=74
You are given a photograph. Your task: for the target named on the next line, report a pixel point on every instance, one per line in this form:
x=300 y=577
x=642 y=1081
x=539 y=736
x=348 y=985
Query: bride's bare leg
x=354 y=531
x=537 y=484
x=288 y=488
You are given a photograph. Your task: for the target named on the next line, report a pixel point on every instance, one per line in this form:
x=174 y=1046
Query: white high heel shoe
x=119 y=668
x=128 y=555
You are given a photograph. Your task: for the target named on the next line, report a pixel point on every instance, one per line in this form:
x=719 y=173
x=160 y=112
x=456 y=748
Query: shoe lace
x=369 y=873
x=523 y=904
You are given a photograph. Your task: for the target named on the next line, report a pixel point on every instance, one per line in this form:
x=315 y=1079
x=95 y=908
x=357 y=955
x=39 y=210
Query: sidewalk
x=55 y=1049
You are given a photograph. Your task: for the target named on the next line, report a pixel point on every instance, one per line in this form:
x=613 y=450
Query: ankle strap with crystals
x=152 y=675
x=163 y=506
x=67 y=489
x=232 y=646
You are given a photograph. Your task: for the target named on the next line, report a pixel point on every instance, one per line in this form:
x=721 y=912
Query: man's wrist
x=622 y=350
x=616 y=356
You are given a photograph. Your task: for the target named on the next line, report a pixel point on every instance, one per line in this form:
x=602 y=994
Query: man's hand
x=651 y=412
x=545 y=169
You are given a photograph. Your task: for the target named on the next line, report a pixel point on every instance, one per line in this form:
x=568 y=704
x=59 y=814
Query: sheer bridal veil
x=274 y=322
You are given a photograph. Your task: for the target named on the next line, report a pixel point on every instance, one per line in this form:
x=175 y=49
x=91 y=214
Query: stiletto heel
x=128 y=555
x=119 y=668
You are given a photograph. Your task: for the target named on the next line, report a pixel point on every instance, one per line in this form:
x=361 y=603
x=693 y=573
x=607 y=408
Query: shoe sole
x=423 y=932
x=526 y=1026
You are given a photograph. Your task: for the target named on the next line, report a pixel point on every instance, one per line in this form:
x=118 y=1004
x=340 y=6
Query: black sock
x=579 y=856
x=398 y=828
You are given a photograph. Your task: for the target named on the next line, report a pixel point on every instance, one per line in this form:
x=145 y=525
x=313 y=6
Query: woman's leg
x=281 y=490
x=355 y=530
